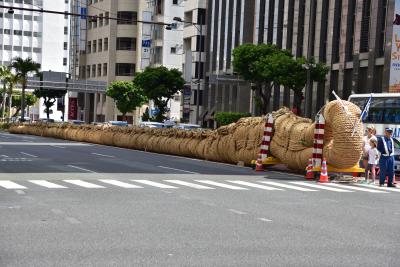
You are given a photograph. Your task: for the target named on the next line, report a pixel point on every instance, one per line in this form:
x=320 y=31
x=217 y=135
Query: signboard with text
x=73 y=108
x=394 y=84
x=187 y=94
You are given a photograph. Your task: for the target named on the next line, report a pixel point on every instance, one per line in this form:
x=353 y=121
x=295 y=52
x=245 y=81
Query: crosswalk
x=197 y=184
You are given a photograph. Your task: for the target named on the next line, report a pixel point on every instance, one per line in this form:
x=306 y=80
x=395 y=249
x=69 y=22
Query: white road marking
x=265 y=220
x=103 y=155
x=43 y=144
x=46 y=184
x=356 y=188
x=119 y=183
x=57 y=211
x=11 y=185
x=57 y=146
x=221 y=185
x=155 y=184
x=254 y=185
x=237 y=211
x=4 y=156
x=289 y=186
x=322 y=187
x=20 y=192
x=83 y=184
x=30 y=155
x=177 y=169
x=79 y=168
x=197 y=186
x=385 y=188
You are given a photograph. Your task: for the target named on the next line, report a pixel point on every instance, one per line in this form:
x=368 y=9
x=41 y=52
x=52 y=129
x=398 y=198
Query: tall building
x=353 y=37
x=41 y=36
x=194 y=58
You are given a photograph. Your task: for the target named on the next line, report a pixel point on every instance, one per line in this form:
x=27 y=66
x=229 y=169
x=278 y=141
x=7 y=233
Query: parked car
x=45 y=120
x=151 y=124
x=77 y=122
x=18 y=119
x=117 y=123
x=188 y=126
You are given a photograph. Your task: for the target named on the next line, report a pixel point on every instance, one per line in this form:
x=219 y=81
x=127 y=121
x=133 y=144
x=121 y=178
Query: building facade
x=353 y=37
x=43 y=37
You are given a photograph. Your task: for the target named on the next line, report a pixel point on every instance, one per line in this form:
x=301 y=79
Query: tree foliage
x=127 y=96
x=23 y=68
x=30 y=100
x=160 y=84
x=49 y=97
x=266 y=66
x=225 y=118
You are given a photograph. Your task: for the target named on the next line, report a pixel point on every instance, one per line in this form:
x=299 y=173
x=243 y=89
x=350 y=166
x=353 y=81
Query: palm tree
x=5 y=74
x=23 y=67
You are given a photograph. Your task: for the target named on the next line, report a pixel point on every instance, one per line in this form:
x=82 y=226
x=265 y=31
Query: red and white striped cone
x=259 y=164
x=309 y=173
x=266 y=141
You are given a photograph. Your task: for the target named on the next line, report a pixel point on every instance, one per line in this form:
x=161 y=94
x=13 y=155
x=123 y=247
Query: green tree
x=49 y=97
x=30 y=100
x=225 y=118
x=160 y=84
x=127 y=96
x=5 y=73
x=23 y=68
x=145 y=116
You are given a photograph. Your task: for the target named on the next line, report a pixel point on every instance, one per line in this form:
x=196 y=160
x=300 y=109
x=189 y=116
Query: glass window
x=99 y=45
x=124 y=69
x=127 y=17
x=94 y=70
x=105 y=44
x=124 y=43
x=105 y=69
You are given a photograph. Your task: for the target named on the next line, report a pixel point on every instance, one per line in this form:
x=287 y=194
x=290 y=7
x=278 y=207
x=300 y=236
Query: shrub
x=225 y=118
x=4 y=125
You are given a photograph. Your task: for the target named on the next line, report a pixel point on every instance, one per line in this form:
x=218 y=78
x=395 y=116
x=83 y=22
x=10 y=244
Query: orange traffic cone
x=323 y=178
x=309 y=173
x=259 y=165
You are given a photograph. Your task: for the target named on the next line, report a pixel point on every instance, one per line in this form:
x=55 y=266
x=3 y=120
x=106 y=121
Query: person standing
x=373 y=156
x=386 y=161
x=366 y=144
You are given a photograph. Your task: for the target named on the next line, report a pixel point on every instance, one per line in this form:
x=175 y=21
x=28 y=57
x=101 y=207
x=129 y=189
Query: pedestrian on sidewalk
x=366 y=144
x=386 y=161
x=373 y=156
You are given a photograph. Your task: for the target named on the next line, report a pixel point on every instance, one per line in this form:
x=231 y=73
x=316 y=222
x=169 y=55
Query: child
x=373 y=156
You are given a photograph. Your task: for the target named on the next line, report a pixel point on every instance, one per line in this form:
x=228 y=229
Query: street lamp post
x=200 y=30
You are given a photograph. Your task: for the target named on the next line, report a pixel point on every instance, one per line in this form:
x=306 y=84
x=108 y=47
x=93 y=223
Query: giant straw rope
x=291 y=143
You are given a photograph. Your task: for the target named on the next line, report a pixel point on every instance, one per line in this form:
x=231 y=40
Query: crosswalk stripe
x=46 y=184
x=324 y=187
x=221 y=185
x=197 y=186
x=155 y=184
x=83 y=184
x=119 y=183
x=391 y=189
x=11 y=185
x=357 y=188
x=254 y=185
x=289 y=186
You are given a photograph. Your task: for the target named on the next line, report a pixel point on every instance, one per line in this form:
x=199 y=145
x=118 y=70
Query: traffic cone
x=309 y=173
x=259 y=165
x=323 y=178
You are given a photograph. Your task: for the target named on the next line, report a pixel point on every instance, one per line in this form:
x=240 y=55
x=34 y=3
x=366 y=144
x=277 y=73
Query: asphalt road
x=72 y=204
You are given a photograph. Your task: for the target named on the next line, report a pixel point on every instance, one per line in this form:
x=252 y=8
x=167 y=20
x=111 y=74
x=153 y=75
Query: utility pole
x=309 y=86
x=199 y=73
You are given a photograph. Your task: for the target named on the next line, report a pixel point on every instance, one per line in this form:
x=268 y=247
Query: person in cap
x=386 y=161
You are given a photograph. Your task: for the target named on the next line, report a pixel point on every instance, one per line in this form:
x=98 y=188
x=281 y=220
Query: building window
x=125 y=43
x=336 y=31
x=99 y=45
x=105 y=69
x=65 y=61
x=107 y=20
x=89 y=47
x=173 y=50
x=37 y=50
x=17 y=32
x=37 y=34
x=174 y=2
x=28 y=33
x=7 y=31
x=65 y=45
x=105 y=44
x=101 y=20
x=364 y=38
x=98 y=70
x=65 y=30
x=124 y=69
x=127 y=17
x=198 y=44
x=382 y=27
x=87 y=71
x=94 y=46
x=94 y=70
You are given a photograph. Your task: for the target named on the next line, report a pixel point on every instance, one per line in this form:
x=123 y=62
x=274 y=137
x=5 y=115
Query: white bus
x=384 y=111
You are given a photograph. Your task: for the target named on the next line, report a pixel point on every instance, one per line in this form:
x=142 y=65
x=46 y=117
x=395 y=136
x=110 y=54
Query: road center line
x=265 y=220
x=177 y=169
x=102 y=155
x=79 y=168
x=237 y=212
x=20 y=192
x=57 y=146
x=30 y=155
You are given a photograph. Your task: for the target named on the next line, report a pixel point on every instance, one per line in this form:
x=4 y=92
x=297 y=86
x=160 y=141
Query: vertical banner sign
x=72 y=108
x=394 y=86
x=187 y=93
x=146 y=39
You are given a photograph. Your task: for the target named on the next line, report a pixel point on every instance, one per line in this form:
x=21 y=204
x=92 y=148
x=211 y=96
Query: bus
x=384 y=111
